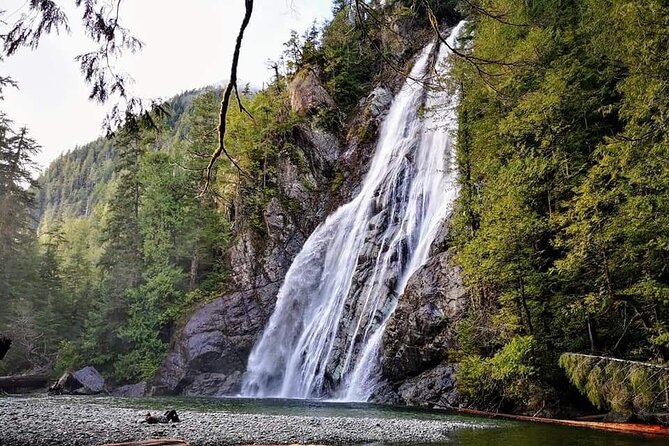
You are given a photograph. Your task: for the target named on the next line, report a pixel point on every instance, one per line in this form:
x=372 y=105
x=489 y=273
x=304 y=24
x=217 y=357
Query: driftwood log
x=13 y=384
x=161 y=442
x=5 y=343
x=658 y=430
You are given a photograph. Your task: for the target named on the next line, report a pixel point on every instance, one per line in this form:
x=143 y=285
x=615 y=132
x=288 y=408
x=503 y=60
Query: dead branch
x=232 y=85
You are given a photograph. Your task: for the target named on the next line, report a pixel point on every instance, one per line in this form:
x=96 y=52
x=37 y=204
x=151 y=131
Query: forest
x=562 y=223
x=561 y=227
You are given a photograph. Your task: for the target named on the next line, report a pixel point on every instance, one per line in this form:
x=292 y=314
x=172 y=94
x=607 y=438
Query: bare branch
x=241 y=106
x=232 y=85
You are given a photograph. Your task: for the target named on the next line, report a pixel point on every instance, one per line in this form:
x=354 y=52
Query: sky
x=185 y=47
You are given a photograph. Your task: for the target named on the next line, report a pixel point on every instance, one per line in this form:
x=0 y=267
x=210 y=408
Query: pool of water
x=489 y=432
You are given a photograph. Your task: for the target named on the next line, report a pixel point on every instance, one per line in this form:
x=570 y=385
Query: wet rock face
x=258 y=263
x=379 y=100
x=420 y=333
x=211 y=354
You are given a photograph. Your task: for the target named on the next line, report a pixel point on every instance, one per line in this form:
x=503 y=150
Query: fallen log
x=161 y=442
x=14 y=384
x=627 y=428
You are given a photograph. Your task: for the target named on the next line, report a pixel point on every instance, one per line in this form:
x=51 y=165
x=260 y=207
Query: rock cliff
x=416 y=367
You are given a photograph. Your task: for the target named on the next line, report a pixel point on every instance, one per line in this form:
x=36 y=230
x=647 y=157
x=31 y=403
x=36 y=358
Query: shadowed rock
x=86 y=381
x=420 y=334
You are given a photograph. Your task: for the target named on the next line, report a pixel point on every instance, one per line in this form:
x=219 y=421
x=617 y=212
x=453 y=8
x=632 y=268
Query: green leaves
x=564 y=217
x=508 y=375
x=625 y=387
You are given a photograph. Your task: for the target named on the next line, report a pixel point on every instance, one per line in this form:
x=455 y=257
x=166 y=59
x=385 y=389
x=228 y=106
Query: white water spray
x=324 y=337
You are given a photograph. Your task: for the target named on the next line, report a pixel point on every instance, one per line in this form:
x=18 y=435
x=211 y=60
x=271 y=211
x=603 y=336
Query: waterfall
x=324 y=337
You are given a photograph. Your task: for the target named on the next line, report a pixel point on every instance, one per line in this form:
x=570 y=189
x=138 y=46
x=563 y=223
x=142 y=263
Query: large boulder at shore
x=90 y=379
x=86 y=381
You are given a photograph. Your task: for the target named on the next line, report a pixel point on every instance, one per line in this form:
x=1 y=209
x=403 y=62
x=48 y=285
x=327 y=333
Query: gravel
x=57 y=421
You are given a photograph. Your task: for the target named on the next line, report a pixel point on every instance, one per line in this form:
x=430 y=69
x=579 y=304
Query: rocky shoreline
x=57 y=421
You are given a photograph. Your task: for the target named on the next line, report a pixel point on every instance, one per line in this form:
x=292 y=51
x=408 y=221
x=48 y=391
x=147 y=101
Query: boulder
x=307 y=94
x=131 y=390
x=86 y=381
x=90 y=379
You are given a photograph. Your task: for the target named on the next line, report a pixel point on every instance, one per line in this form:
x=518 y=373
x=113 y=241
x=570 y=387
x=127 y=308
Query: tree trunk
x=194 y=265
x=13 y=384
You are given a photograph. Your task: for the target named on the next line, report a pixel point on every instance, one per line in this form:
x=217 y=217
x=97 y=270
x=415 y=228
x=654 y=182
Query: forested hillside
x=75 y=182
x=563 y=220
x=108 y=212
x=78 y=180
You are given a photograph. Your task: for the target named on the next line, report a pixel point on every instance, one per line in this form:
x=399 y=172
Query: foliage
x=129 y=245
x=19 y=265
x=507 y=376
x=341 y=54
x=625 y=387
x=124 y=244
x=562 y=225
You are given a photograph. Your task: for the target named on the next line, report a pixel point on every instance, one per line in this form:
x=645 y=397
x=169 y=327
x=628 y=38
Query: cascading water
x=325 y=334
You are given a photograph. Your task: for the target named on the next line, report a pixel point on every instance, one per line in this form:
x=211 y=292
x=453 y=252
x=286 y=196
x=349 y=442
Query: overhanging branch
x=225 y=103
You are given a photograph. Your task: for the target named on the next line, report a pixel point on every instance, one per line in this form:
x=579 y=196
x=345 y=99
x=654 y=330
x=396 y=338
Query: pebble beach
x=58 y=421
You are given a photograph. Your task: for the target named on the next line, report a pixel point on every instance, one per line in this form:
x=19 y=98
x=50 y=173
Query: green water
x=488 y=432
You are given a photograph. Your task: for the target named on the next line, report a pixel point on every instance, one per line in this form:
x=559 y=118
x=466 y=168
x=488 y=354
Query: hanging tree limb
x=225 y=103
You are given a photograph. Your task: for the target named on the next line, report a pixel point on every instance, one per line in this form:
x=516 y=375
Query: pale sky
x=188 y=44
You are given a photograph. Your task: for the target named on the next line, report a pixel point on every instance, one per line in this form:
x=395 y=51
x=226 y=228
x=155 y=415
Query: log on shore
x=160 y=442
x=13 y=384
x=627 y=428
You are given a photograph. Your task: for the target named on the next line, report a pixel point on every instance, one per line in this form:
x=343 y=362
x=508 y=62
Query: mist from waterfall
x=324 y=337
